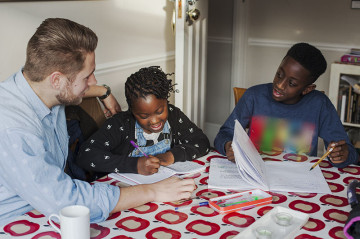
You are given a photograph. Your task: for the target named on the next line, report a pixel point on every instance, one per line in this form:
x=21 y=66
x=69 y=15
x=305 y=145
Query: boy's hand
x=229 y=151
x=148 y=166
x=340 y=152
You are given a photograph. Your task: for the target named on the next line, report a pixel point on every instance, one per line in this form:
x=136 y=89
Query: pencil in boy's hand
x=137 y=147
x=322 y=158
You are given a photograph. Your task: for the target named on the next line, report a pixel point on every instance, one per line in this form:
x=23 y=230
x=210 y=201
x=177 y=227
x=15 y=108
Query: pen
x=191 y=205
x=232 y=203
x=137 y=147
x=230 y=199
x=322 y=158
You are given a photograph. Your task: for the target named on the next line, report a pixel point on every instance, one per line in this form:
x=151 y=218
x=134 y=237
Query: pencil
x=322 y=158
x=137 y=146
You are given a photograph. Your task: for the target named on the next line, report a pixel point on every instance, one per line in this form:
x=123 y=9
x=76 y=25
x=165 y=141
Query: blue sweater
x=291 y=128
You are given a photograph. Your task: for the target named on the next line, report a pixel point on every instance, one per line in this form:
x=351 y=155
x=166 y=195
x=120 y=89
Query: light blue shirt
x=33 y=152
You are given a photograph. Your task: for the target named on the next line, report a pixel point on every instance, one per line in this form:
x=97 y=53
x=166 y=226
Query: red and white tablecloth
x=328 y=213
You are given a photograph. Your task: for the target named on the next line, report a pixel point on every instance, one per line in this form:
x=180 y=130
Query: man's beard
x=66 y=97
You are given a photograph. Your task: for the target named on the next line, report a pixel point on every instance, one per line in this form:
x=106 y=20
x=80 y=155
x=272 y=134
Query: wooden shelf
x=338 y=69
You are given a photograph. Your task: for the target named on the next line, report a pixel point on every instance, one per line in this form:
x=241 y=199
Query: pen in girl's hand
x=137 y=147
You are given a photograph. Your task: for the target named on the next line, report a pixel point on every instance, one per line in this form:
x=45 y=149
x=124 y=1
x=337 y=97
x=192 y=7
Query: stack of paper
x=178 y=168
x=252 y=172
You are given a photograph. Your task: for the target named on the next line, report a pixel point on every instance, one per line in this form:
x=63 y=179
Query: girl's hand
x=340 y=152
x=166 y=158
x=148 y=166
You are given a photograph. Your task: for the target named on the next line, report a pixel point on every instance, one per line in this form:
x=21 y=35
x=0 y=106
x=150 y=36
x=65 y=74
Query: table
x=328 y=213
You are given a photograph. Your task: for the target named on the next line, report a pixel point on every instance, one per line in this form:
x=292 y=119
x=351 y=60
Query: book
x=252 y=172
x=178 y=168
x=348 y=110
x=351 y=58
x=343 y=106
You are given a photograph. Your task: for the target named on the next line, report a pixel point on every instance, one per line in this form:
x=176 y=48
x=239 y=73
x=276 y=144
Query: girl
x=163 y=132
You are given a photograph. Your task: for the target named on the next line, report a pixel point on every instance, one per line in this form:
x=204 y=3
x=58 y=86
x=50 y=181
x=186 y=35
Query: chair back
x=92 y=106
x=238 y=93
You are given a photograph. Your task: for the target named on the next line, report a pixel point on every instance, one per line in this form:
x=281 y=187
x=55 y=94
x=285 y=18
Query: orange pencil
x=322 y=158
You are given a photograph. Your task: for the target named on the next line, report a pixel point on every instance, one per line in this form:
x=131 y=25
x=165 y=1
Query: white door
x=190 y=58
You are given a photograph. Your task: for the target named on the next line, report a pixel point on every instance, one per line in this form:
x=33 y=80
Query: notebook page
x=223 y=175
x=122 y=179
x=186 y=167
x=245 y=168
x=248 y=158
x=290 y=176
x=162 y=174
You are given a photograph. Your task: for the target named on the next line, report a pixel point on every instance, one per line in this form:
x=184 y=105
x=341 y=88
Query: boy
x=289 y=114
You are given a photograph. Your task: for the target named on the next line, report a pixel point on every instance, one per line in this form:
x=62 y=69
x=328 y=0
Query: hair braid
x=148 y=81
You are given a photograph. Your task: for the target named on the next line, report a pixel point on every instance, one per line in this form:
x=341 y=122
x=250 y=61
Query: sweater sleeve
x=105 y=150
x=332 y=130
x=189 y=141
x=242 y=112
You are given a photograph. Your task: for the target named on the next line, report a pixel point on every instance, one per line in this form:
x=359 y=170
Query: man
x=58 y=71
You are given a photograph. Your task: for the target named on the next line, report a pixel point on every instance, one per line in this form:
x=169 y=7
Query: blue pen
x=191 y=205
x=137 y=147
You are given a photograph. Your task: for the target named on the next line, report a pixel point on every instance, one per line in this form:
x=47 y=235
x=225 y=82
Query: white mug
x=74 y=222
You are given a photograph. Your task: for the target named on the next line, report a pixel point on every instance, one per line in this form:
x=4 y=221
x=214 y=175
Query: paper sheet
x=186 y=167
x=248 y=158
x=296 y=177
x=224 y=175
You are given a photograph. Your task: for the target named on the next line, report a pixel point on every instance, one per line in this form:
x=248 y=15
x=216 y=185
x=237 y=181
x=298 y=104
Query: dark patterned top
x=108 y=149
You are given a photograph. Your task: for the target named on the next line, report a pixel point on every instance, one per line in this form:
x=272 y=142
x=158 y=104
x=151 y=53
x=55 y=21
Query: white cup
x=74 y=222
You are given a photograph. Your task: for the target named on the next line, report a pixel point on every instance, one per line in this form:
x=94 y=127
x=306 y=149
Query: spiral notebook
x=252 y=172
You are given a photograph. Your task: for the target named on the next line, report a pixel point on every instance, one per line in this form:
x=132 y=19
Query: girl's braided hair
x=148 y=81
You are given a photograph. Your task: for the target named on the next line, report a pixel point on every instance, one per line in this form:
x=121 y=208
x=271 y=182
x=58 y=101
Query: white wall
x=271 y=28
x=132 y=34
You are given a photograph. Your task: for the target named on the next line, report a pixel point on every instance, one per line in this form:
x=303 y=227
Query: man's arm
x=33 y=175
x=109 y=101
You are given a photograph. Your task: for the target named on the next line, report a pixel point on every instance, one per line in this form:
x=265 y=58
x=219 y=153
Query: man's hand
x=111 y=106
x=172 y=189
x=167 y=190
x=229 y=151
x=148 y=166
x=340 y=152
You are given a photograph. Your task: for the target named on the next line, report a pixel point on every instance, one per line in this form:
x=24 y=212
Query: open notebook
x=252 y=172
x=178 y=168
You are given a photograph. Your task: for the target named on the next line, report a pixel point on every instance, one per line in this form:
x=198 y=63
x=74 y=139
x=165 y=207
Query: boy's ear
x=308 y=89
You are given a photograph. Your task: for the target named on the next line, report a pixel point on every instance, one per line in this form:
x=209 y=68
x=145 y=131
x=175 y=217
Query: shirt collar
x=36 y=103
